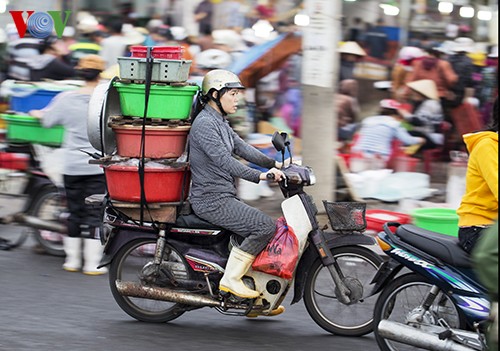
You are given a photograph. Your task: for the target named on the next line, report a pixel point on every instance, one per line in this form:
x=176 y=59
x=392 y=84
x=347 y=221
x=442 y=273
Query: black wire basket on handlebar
x=346 y=217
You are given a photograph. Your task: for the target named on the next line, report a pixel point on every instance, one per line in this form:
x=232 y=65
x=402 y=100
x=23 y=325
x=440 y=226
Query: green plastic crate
x=165 y=101
x=29 y=129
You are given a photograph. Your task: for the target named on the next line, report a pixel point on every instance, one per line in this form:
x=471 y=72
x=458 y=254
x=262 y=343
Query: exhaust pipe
x=163 y=294
x=37 y=223
x=415 y=337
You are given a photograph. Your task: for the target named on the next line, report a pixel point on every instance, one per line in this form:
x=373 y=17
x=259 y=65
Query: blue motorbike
x=430 y=296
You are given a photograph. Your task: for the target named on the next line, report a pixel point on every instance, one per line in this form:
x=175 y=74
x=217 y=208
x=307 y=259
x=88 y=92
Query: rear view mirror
x=279 y=141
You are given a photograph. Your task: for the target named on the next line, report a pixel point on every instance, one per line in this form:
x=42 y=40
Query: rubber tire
x=387 y=292
x=368 y=255
x=44 y=194
x=174 y=312
x=17 y=240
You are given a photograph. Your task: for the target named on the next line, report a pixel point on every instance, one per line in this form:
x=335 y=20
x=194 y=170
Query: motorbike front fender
x=120 y=237
x=333 y=240
x=385 y=275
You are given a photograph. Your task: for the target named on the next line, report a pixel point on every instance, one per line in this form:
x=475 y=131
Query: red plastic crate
x=158 y=52
x=12 y=160
x=375 y=219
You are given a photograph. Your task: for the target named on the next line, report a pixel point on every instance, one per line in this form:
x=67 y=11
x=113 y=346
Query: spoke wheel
x=130 y=264
x=49 y=205
x=359 y=265
x=399 y=302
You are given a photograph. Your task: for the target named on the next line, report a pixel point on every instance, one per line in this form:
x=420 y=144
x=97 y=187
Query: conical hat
x=351 y=47
x=426 y=87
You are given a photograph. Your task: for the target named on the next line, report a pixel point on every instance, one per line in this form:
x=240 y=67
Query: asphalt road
x=43 y=308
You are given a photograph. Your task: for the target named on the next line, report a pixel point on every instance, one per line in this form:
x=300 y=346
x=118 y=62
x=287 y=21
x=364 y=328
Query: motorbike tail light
x=383 y=245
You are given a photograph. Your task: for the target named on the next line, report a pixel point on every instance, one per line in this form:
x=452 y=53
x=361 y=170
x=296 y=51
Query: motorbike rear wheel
x=400 y=300
x=320 y=292
x=129 y=264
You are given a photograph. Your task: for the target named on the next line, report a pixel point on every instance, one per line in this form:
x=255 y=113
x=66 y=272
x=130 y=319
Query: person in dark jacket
x=203 y=15
x=376 y=41
x=49 y=64
x=464 y=68
x=214 y=169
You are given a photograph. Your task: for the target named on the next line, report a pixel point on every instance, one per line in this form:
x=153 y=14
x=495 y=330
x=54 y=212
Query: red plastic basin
x=158 y=52
x=160 y=184
x=161 y=142
x=375 y=219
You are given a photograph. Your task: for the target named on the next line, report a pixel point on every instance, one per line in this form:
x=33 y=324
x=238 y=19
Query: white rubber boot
x=73 y=250
x=92 y=254
x=237 y=265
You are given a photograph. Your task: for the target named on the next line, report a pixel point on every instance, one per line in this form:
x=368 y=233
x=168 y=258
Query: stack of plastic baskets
x=166 y=127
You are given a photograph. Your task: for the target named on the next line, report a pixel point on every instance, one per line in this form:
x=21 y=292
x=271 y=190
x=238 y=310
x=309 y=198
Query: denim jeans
x=468 y=236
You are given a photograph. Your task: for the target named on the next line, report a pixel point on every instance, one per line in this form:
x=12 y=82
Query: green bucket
x=22 y=128
x=440 y=220
x=165 y=101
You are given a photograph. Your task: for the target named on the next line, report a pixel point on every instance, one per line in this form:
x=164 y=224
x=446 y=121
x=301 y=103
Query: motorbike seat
x=444 y=247
x=193 y=221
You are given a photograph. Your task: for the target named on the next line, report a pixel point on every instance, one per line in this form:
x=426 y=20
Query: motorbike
x=158 y=274
x=436 y=303
x=44 y=210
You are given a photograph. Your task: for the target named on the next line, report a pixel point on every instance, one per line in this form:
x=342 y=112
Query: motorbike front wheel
x=131 y=264
x=356 y=263
x=48 y=205
x=400 y=301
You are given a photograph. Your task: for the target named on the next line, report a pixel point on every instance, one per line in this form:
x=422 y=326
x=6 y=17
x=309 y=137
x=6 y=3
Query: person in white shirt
x=115 y=45
x=377 y=133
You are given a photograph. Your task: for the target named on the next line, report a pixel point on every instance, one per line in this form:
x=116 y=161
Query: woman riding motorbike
x=212 y=144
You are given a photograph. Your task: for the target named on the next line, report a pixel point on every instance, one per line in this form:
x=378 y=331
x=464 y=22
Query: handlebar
x=270 y=176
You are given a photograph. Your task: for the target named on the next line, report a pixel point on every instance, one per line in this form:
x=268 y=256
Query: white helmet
x=178 y=33
x=213 y=59
x=218 y=79
x=410 y=53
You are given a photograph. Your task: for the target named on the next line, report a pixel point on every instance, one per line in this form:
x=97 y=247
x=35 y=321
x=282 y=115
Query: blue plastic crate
x=25 y=101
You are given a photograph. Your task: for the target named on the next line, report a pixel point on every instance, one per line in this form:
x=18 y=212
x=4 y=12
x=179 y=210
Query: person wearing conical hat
x=439 y=71
x=350 y=53
x=427 y=116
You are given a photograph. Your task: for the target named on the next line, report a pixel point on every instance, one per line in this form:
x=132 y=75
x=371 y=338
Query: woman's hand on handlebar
x=273 y=175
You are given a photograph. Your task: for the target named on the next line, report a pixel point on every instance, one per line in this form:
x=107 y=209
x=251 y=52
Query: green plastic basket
x=165 y=101
x=440 y=220
x=29 y=129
